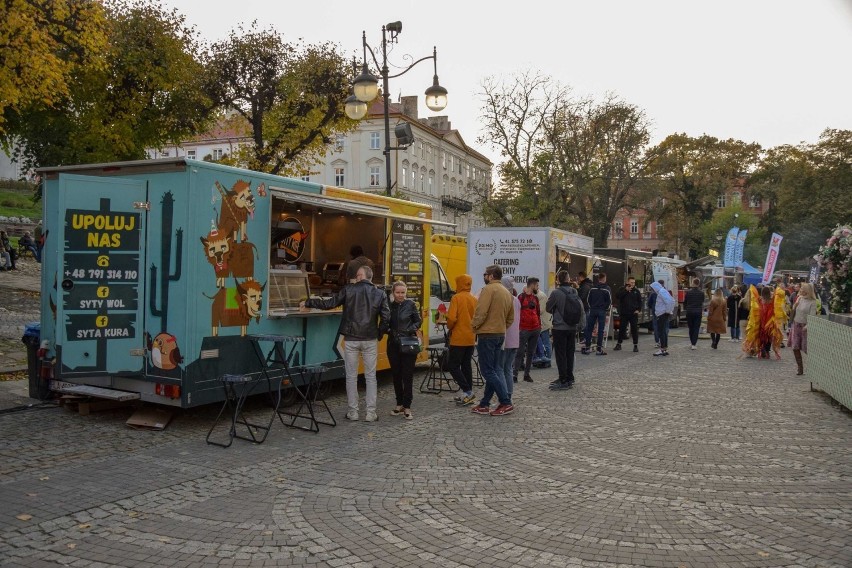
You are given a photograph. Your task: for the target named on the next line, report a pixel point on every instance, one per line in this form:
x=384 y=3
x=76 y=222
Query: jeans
x=402 y=367
x=693 y=322
x=526 y=350
x=633 y=321
x=563 y=350
x=368 y=350
x=596 y=317
x=459 y=366
x=507 y=364
x=663 y=330
x=489 y=350
x=735 y=331
x=546 y=346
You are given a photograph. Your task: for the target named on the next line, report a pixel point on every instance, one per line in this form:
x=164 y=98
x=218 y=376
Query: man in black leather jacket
x=693 y=305
x=629 y=308
x=365 y=319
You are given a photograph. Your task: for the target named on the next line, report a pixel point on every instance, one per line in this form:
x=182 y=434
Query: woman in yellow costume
x=782 y=308
x=762 y=331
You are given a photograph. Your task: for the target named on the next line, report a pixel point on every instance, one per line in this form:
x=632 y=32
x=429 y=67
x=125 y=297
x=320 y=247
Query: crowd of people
x=511 y=331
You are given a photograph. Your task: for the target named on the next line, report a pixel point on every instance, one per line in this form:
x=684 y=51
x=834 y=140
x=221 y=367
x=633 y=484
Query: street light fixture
x=365 y=87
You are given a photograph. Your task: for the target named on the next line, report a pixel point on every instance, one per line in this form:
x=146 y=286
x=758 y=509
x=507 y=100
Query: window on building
x=375 y=144
x=420 y=149
x=443 y=159
x=467 y=170
x=190 y=154
x=375 y=176
x=444 y=186
x=306 y=177
x=646 y=232
x=460 y=166
x=423 y=180
x=339 y=142
x=754 y=201
x=722 y=201
x=404 y=174
x=414 y=177
x=634 y=226
x=431 y=186
x=217 y=153
x=736 y=198
x=340 y=176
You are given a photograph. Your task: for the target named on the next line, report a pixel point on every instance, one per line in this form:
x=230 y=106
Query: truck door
x=99 y=317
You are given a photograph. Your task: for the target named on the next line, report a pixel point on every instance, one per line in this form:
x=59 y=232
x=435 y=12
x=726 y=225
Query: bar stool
x=478 y=379
x=307 y=384
x=436 y=379
x=237 y=389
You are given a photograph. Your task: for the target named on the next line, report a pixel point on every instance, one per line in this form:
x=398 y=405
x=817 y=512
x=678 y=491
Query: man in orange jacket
x=462 y=339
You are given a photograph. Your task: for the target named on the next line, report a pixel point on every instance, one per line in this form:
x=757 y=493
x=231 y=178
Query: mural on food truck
x=230 y=253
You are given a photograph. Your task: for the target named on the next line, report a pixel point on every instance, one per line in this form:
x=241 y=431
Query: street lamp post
x=366 y=85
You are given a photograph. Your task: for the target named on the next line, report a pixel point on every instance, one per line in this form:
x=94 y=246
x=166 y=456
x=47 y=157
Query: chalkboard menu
x=408 y=250
x=101 y=273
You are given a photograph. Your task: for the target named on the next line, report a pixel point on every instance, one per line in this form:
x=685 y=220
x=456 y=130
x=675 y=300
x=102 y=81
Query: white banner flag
x=771 y=258
x=738 y=253
x=730 y=247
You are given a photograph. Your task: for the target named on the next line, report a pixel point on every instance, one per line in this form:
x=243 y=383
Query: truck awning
x=575 y=250
x=349 y=206
x=608 y=259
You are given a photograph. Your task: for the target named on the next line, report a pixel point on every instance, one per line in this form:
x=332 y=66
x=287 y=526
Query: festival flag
x=730 y=247
x=771 y=257
x=738 y=253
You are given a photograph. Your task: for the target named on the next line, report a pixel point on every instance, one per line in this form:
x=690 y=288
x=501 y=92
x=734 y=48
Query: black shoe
x=636 y=349
x=600 y=352
x=527 y=379
x=617 y=347
x=556 y=382
x=584 y=351
x=562 y=386
x=514 y=379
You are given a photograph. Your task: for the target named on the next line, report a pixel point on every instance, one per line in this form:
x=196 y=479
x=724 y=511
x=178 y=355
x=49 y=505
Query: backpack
x=571 y=309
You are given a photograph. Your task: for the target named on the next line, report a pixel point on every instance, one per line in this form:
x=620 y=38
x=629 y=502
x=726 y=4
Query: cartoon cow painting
x=237 y=306
x=237 y=206
x=228 y=258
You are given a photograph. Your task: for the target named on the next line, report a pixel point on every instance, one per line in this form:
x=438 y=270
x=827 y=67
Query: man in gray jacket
x=365 y=318
x=568 y=317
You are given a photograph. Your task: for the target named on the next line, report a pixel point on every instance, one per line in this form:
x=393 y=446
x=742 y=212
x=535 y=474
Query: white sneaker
x=693 y=347
x=352 y=415
x=658 y=352
x=371 y=416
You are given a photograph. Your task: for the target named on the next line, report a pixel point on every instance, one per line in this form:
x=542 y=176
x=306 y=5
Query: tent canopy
x=751 y=275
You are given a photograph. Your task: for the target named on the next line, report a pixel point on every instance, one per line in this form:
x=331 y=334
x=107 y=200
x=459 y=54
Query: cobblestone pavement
x=696 y=460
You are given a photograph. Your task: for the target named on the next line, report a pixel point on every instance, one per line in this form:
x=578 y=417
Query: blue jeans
x=489 y=350
x=546 y=347
x=599 y=317
x=507 y=364
x=735 y=331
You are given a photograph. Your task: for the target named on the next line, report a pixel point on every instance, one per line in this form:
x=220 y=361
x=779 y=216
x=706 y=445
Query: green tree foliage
x=291 y=96
x=688 y=174
x=569 y=162
x=42 y=45
x=809 y=189
x=142 y=91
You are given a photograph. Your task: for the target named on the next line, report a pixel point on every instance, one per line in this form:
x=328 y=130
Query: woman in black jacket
x=405 y=321
x=733 y=313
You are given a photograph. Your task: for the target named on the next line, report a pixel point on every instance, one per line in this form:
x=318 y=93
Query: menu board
x=408 y=250
x=101 y=274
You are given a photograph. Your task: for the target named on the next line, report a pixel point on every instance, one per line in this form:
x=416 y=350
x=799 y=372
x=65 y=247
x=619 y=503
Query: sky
x=767 y=71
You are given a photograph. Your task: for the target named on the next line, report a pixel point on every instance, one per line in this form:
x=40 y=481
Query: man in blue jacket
x=600 y=300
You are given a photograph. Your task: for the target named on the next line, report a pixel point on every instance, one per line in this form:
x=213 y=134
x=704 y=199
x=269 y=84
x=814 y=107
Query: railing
x=829 y=360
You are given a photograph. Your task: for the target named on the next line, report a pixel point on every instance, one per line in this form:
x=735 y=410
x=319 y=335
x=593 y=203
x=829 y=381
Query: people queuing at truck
x=493 y=314
x=365 y=319
x=600 y=301
x=544 y=350
x=693 y=305
x=569 y=318
x=358 y=260
x=629 y=307
x=405 y=322
x=806 y=305
x=510 y=345
x=717 y=313
x=462 y=341
x=530 y=329
x=733 y=305
x=584 y=286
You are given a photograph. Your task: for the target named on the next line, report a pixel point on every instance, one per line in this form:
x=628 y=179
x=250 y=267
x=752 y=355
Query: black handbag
x=409 y=345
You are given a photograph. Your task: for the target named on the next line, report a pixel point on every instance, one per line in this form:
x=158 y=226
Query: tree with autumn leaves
x=86 y=82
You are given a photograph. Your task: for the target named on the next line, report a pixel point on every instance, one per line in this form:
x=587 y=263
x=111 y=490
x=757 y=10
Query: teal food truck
x=156 y=273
